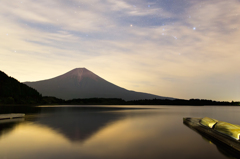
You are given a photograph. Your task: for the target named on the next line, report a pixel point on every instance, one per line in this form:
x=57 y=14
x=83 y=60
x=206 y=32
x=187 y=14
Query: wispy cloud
x=172 y=48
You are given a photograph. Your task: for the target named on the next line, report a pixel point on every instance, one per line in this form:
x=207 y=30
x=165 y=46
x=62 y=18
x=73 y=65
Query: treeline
x=87 y=101
x=117 y=101
x=194 y=102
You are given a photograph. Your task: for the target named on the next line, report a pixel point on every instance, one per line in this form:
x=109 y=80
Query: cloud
x=165 y=48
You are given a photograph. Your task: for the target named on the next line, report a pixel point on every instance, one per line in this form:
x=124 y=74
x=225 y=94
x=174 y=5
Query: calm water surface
x=110 y=132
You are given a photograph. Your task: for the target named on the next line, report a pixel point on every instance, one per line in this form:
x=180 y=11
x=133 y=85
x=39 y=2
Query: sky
x=176 y=48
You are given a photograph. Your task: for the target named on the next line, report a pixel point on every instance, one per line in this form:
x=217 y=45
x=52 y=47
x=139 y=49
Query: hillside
x=14 y=92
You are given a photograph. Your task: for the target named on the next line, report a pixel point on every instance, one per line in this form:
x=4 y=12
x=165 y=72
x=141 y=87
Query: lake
x=142 y=132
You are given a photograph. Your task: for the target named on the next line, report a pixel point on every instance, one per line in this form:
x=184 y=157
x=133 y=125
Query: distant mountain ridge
x=82 y=83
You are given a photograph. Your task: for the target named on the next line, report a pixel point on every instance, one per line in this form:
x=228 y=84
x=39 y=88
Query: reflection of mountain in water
x=75 y=124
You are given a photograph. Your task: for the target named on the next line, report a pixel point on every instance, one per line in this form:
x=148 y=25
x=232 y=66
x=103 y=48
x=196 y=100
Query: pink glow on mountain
x=80 y=73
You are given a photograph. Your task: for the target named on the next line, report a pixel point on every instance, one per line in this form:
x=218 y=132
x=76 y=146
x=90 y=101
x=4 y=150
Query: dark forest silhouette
x=12 y=91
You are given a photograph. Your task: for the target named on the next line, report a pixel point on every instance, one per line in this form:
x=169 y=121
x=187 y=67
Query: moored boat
x=11 y=116
x=222 y=133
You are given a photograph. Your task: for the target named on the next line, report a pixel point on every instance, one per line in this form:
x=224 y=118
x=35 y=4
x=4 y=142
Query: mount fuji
x=82 y=83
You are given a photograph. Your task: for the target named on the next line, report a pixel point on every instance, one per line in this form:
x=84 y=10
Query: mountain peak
x=80 y=69
x=80 y=73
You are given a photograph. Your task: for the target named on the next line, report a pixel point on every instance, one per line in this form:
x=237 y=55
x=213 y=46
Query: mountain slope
x=82 y=83
x=12 y=91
